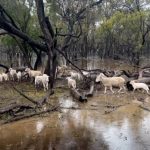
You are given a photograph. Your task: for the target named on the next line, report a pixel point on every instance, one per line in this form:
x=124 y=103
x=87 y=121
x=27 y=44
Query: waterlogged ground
x=87 y=126
x=106 y=122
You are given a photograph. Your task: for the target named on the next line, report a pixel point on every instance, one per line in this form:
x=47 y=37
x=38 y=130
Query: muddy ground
x=106 y=121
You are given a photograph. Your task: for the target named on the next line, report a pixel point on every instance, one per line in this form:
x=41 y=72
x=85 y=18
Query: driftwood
x=77 y=95
x=91 y=92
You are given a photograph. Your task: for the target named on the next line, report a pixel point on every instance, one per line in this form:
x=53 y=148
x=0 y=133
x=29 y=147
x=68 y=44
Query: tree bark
x=48 y=35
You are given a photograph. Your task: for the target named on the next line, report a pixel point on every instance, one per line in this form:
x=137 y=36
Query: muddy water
x=85 y=128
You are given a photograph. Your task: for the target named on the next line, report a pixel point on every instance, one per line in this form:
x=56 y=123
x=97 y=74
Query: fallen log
x=77 y=95
x=11 y=107
x=144 y=107
x=31 y=115
x=144 y=80
x=91 y=92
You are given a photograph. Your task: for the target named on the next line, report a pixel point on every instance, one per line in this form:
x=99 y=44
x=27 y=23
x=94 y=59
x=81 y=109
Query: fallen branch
x=79 y=108
x=31 y=115
x=12 y=106
x=144 y=107
x=25 y=96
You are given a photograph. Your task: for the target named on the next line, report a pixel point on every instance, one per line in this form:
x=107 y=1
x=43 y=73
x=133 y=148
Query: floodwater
x=84 y=126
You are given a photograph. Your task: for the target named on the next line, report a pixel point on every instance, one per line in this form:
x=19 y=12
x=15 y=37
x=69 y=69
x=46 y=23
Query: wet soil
x=106 y=122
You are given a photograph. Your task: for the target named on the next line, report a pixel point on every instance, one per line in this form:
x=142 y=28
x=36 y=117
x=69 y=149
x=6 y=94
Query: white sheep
x=139 y=86
x=76 y=75
x=19 y=76
x=62 y=71
x=71 y=83
x=33 y=73
x=5 y=77
x=13 y=73
x=111 y=81
x=44 y=79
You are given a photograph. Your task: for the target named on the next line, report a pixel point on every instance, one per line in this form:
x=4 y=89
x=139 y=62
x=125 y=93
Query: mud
x=106 y=122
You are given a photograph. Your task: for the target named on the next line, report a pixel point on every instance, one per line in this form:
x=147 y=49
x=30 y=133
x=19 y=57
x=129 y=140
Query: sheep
x=12 y=73
x=33 y=73
x=62 y=71
x=71 y=83
x=76 y=75
x=19 y=76
x=5 y=77
x=44 y=79
x=139 y=86
x=110 y=82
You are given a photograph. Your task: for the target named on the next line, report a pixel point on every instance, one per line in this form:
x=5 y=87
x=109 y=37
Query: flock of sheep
x=72 y=78
x=108 y=82
x=40 y=79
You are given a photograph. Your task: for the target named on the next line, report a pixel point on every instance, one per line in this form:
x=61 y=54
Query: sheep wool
x=111 y=81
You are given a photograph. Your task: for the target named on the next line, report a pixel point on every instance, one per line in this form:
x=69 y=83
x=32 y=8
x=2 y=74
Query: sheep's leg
x=124 y=88
x=147 y=91
x=105 y=90
x=120 y=89
x=111 y=89
x=44 y=86
x=47 y=86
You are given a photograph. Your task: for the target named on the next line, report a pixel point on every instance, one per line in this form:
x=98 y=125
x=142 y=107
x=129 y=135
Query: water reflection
x=80 y=129
x=39 y=126
x=127 y=128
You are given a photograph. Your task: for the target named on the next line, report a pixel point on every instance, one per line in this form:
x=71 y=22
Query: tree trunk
x=50 y=43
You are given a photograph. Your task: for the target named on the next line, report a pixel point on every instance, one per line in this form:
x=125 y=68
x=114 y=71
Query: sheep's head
x=27 y=69
x=133 y=81
x=99 y=77
x=10 y=69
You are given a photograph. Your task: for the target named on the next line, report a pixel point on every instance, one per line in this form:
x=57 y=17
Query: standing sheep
x=5 y=77
x=44 y=79
x=111 y=81
x=76 y=75
x=19 y=76
x=71 y=83
x=139 y=86
x=13 y=73
x=33 y=73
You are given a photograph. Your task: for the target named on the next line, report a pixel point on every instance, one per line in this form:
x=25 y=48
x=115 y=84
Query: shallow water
x=85 y=128
x=124 y=129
